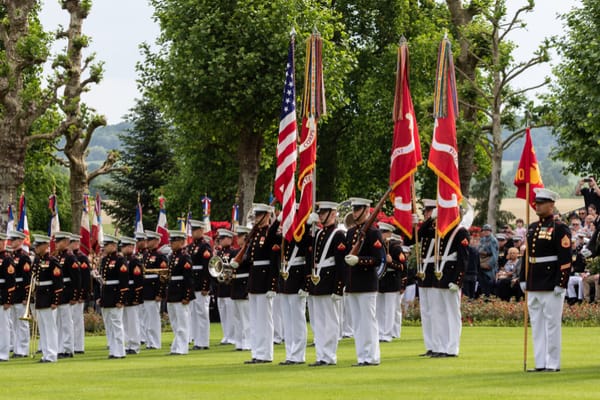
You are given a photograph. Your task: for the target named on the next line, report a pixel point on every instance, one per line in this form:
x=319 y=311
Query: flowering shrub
x=501 y=313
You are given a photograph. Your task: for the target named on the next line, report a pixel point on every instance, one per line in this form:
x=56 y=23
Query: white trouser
x=131 y=324
x=142 y=321
x=46 y=319
x=278 y=327
x=346 y=318
x=325 y=322
x=65 y=329
x=200 y=320
x=409 y=296
x=575 y=281
x=446 y=321
x=426 y=315
x=179 y=316
x=115 y=334
x=261 y=326
x=78 y=327
x=545 y=313
x=4 y=333
x=20 y=330
x=397 y=329
x=387 y=305
x=364 y=325
x=241 y=323
x=152 y=323
x=225 y=311
x=293 y=310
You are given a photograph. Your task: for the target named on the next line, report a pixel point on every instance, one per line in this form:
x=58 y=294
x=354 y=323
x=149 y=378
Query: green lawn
x=490 y=366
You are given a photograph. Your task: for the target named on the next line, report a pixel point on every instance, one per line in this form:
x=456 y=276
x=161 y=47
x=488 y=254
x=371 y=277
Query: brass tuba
x=219 y=269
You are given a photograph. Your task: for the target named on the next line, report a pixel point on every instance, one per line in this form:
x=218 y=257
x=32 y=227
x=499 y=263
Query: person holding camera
x=591 y=193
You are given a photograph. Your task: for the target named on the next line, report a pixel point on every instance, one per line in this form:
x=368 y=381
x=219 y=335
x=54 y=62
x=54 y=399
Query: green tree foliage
x=218 y=75
x=149 y=163
x=575 y=98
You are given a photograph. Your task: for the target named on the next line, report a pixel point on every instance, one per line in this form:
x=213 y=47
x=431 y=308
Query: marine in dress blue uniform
x=84 y=294
x=201 y=252
x=7 y=288
x=239 y=296
x=226 y=252
x=157 y=262
x=48 y=295
x=135 y=295
x=546 y=278
x=362 y=282
x=22 y=263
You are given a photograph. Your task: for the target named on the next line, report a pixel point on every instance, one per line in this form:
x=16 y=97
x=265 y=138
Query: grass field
x=490 y=366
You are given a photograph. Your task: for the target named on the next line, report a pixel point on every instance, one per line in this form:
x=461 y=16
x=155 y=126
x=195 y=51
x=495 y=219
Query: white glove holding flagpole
x=523 y=286
x=351 y=260
x=313 y=218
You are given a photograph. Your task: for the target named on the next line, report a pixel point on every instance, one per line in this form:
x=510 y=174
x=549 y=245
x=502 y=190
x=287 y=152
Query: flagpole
x=415 y=224
x=525 y=307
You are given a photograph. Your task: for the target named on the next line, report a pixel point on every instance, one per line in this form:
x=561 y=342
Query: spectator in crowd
x=591 y=193
x=589 y=226
x=488 y=260
x=577 y=269
x=575 y=225
x=469 y=287
x=507 y=275
x=502 y=249
x=520 y=230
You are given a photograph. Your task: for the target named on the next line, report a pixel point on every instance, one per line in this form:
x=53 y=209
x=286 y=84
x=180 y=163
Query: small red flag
x=528 y=172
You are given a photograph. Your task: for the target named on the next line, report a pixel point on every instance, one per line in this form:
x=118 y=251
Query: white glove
x=585 y=252
x=351 y=260
x=523 y=286
x=559 y=291
x=453 y=287
x=434 y=213
x=270 y=294
x=233 y=264
x=313 y=218
x=302 y=293
x=336 y=297
x=415 y=219
x=280 y=217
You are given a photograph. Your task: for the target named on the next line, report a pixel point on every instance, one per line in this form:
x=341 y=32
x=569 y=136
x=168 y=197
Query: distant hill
x=543 y=143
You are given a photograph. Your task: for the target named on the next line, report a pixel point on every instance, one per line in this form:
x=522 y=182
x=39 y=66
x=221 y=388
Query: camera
x=587 y=180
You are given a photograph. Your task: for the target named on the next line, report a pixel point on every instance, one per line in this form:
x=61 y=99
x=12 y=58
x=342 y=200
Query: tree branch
x=515 y=19
x=107 y=167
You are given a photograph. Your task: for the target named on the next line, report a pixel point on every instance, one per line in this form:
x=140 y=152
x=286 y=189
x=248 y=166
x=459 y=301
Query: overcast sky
x=117 y=27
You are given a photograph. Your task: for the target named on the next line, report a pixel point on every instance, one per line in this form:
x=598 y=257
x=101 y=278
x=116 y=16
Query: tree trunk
x=496 y=178
x=12 y=171
x=249 y=161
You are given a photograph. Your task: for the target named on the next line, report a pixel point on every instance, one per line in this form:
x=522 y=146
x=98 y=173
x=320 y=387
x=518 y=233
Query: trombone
x=28 y=316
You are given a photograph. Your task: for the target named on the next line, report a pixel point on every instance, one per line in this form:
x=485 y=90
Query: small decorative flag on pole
x=443 y=155
x=23 y=225
x=97 y=229
x=313 y=107
x=528 y=172
x=406 y=149
x=161 y=226
x=206 y=201
x=139 y=224
x=10 y=226
x=85 y=245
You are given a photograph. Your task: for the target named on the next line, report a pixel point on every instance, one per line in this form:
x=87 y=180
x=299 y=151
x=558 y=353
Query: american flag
x=286 y=150
x=23 y=225
x=97 y=230
x=139 y=225
x=161 y=226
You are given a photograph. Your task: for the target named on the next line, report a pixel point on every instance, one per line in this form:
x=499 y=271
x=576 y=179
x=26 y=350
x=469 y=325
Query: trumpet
x=163 y=273
x=27 y=315
x=219 y=269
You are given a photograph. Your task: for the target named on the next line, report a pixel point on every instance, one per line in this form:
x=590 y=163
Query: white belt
x=294 y=262
x=240 y=276
x=150 y=276
x=431 y=259
x=328 y=262
x=261 y=263
x=197 y=267
x=112 y=282
x=177 y=278
x=130 y=282
x=2 y=281
x=45 y=283
x=66 y=279
x=390 y=270
x=18 y=279
x=538 y=260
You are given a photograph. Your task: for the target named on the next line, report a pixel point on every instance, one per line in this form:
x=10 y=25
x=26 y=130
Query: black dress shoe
x=79 y=352
x=174 y=354
x=439 y=355
x=318 y=364
x=130 y=351
x=536 y=370
x=263 y=361
x=43 y=361
x=552 y=370
x=151 y=348
x=18 y=355
x=253 y=361
x=290 y=362
x=111 y=357
x=428 y=353
x=65 y=355
x=3 y=360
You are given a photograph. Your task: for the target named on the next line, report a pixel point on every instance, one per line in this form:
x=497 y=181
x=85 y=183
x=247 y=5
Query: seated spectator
x=502 y=248
x=469 y=287
x=589 y=226
x=575 y=225
x=591 y=193
x=508 y=275
x=577 y=269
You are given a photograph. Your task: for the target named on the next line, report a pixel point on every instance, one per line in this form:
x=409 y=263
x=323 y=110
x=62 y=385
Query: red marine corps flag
x=313 y=107
x=406 y=150
x=528 y=172
x=443 y=156
x=284 y=188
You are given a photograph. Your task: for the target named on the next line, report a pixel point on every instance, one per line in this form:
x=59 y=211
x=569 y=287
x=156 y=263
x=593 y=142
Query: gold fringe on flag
x=445 y=72
x=401 y=71
x=314 y=91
